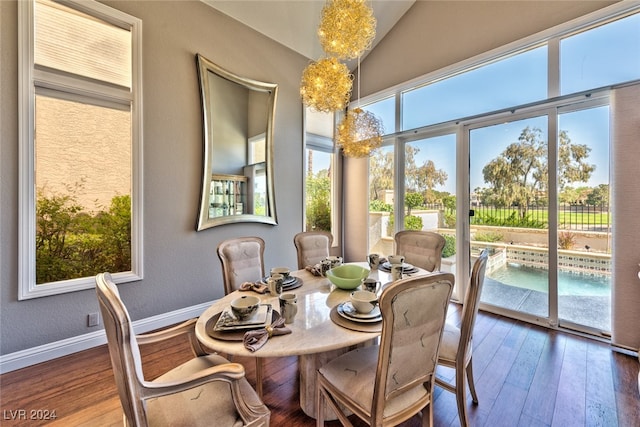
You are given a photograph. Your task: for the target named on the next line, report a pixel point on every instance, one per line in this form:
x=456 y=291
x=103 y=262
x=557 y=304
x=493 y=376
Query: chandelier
x=326 y=85
x=347 y=28
x=359 y=133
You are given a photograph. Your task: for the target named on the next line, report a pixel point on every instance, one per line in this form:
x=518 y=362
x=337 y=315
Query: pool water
x=569 y=283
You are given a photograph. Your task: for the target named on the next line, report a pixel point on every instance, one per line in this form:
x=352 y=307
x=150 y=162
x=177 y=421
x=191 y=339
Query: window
x=514 y=80
x=601 y=56
x=320 y=173
x=385 y=110
x=80 y=160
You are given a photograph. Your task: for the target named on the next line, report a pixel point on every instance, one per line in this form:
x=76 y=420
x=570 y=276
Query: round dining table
x=314 y=337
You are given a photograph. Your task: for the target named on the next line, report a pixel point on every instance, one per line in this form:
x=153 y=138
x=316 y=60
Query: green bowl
x=347 y=276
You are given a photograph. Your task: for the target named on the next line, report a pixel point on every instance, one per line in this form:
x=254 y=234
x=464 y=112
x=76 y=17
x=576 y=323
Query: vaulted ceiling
x=294 y=23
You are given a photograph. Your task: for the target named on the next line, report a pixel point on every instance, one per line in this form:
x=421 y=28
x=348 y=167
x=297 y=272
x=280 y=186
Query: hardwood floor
x=525 y=376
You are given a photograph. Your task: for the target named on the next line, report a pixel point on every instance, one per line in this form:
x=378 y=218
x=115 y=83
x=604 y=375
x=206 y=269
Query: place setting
x=246 y=319
x=361 y=313
x=396 y=262
x=283 y=275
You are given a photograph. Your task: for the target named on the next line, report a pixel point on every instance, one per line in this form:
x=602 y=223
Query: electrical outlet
x=93 y=319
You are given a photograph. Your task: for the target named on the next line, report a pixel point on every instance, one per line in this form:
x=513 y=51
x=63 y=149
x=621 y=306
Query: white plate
x=406 y=268
x=289 y=281
x=228 y=322
x=347 y=311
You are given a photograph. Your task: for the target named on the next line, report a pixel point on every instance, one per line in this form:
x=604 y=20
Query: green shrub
x=449 y=246
x=379 y=206
x=489 y=236
x=412 y=222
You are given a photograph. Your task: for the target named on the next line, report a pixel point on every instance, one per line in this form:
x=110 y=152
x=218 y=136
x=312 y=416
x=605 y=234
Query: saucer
x=347 y=311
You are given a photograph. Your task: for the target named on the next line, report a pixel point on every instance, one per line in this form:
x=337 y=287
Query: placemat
x=232 y=335
x=354 y=326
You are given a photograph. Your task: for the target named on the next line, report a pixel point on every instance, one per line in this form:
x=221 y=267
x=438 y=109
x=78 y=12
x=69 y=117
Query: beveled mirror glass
x=238 y=116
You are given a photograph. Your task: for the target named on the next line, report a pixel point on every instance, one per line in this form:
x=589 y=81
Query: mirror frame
x=207 y=99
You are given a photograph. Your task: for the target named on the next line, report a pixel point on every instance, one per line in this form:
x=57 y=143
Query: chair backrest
x=413 y=316
x=123 y=349
x=312 y=247
x=471 y=303
x=420 y=248
x=242 y=261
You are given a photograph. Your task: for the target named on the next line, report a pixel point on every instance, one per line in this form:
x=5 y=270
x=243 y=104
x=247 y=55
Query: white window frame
x=70 y=88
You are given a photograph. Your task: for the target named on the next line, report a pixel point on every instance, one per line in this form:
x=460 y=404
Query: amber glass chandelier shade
x=326 y=85
x=347 y=28
x=359 y=133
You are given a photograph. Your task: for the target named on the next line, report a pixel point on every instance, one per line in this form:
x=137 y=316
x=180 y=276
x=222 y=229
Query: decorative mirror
x=237 y=179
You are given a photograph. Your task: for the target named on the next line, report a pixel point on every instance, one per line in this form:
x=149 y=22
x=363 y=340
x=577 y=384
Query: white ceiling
x=294 y=23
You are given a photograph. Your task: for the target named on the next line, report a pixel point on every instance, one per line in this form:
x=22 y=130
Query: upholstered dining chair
x=456 y=351
x=206 y=390
x=420 y=248
x=389 y=383
x=243 y=261
x=312 y=247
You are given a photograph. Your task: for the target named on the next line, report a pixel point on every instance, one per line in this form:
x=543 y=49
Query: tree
x=380 y=174
x=518 y=176
x=413 y=200
x=318 y=208
x=599 y=196
x=422 y=178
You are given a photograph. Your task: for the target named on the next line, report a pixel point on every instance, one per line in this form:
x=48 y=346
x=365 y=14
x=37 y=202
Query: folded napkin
x=254 y=340
x=314 y=269
x=258 y=287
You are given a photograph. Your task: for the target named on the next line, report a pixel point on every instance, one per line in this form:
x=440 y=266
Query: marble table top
x=312 y=330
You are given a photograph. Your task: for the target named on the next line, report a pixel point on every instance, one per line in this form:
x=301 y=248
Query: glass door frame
x=551 y=110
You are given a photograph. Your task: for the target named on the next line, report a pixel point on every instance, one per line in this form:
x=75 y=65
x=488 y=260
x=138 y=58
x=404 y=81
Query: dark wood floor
x=525 y=376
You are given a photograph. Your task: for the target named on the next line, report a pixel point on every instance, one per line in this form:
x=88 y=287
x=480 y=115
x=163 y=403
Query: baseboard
x=31 y=356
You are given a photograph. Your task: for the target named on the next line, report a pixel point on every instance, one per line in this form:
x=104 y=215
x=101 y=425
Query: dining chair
x=206 y=390
x=243 y=261
x=312 y=247
x=388 y=383
x=421 y=248
x=456 y=351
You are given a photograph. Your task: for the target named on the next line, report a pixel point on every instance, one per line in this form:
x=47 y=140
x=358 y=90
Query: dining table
x=317 y=336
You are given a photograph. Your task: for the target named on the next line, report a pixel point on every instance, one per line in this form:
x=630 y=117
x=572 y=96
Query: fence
x=570 y=217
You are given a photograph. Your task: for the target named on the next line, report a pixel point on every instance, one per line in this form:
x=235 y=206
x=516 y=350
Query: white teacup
x=285 y=271
x=335 y=260
x=364 y=301
x=396 y=259
x=370 y=284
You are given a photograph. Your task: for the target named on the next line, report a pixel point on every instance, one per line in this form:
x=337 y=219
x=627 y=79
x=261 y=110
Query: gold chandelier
x=347 y=28
x=326 y=85
x=359 y=133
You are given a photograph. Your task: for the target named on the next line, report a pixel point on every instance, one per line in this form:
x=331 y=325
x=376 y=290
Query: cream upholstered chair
x=243 y=261
x=312 y=247
x=388 y=384
x=456 y=351
x=420 y=248
x=207 y=390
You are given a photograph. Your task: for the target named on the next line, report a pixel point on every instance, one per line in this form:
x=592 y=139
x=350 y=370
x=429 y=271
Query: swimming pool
x=569 y=283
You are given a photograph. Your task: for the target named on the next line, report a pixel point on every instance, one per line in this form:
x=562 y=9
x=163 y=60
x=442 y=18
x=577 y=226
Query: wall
x=181 y=266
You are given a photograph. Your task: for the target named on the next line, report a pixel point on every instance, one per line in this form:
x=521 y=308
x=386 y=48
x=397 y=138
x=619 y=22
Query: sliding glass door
x=539 y=202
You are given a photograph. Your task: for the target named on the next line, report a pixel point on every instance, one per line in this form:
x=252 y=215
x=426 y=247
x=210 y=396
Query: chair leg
x=427 y=415
x=259 y=377
x=472 y=386
x=461 y=395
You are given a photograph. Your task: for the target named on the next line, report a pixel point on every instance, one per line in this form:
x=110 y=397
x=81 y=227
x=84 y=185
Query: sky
x=595 y=58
